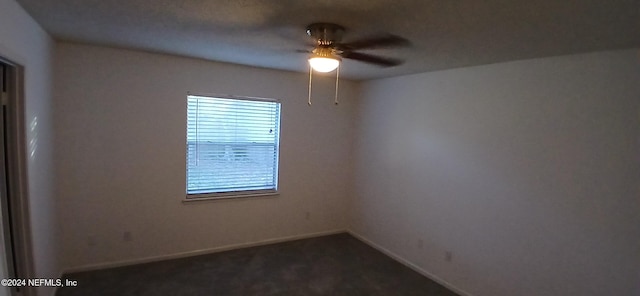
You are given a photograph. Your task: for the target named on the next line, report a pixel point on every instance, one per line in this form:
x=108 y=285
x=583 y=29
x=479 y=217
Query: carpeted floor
x=330 y=265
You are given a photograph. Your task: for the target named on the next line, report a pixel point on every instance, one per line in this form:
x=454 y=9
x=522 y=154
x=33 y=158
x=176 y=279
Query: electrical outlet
x=126 y=236
x=448 y=256
x=420 y=244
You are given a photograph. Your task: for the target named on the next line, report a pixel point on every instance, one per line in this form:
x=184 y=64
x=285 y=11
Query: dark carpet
x=331 y=265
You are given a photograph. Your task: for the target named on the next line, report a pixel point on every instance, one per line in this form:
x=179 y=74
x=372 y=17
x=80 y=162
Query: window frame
x=239 y=194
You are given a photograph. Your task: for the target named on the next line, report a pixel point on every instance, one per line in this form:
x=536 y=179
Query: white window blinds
x=232 y=146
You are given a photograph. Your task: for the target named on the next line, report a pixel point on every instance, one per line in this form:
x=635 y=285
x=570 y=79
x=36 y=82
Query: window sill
x=191 y=200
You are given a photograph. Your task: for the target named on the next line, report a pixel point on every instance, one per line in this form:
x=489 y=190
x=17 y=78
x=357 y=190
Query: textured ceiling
x=444 y=33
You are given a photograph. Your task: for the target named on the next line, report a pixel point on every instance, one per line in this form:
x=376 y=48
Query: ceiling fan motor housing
x=325 y=33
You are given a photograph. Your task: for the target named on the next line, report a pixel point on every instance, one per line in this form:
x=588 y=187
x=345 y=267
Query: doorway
x=13 y=244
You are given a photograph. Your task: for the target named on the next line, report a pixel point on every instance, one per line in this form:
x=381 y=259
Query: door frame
x=18 y=149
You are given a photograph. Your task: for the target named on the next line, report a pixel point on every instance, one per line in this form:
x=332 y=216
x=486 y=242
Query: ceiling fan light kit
x=324 y=59
x=323 y=64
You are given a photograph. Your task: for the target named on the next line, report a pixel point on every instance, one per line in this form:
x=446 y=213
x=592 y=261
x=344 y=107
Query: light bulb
x=323 y=64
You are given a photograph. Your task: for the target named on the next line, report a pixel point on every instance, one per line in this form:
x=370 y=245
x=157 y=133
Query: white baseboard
x=408 y=263
x=106 y=265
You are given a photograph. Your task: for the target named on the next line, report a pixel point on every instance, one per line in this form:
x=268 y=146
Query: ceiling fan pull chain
x=337 y=76
x=310 y=74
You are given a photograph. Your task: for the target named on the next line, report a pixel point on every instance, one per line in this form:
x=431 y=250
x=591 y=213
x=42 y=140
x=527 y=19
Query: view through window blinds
x=232 y=146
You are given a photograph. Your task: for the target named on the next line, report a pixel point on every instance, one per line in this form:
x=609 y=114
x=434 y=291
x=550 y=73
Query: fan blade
x=371 y=59
x=303 y=51
x=375 y=42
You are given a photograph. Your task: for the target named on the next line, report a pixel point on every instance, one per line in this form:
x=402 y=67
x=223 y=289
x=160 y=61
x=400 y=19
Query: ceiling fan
x=329 y=48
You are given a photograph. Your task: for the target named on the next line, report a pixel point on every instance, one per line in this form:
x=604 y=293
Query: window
x=232 y=146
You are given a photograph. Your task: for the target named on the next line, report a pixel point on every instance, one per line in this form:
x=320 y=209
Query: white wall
x=120 y=123
x=526 y=171
x=24 y=42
